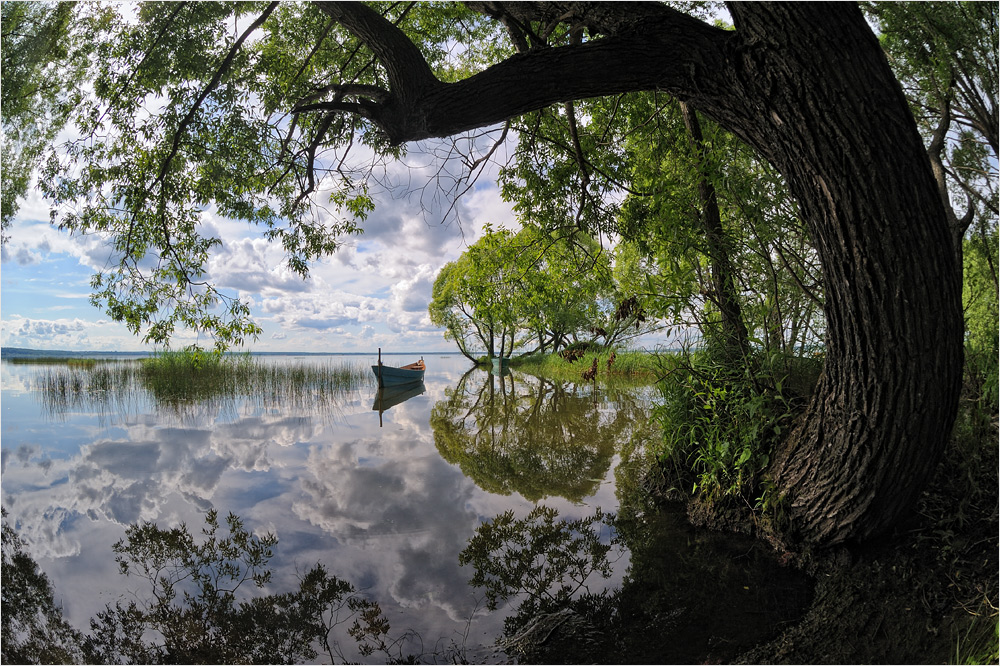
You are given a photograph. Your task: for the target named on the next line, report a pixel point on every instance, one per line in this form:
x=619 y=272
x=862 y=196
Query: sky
x=372 y=292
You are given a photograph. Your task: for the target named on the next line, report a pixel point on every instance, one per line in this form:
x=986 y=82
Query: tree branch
x=216 y=79
x=666 y=50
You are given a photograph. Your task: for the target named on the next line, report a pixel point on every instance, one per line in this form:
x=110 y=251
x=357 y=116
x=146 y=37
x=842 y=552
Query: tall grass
x=104 y=387
x=627 y=367
x=59 y=360
x=182 y=380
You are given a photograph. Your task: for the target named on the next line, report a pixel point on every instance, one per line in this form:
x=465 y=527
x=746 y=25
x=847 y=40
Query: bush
x=721 y=423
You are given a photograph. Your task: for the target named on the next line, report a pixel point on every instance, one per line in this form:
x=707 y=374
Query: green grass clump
x=634 y=366
x=195 y=376
x=721 y=423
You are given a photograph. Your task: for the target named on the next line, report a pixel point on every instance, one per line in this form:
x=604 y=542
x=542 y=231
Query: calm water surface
x=386 y=500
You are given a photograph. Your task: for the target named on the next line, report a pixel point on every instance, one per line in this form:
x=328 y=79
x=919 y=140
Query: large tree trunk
x=808 y=86
x=852 y=156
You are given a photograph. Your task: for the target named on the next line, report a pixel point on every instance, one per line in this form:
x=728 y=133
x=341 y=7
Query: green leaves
x=720 y=426
x=34 y=630
x=535 y=286
x=191 y=116
x=45 y=51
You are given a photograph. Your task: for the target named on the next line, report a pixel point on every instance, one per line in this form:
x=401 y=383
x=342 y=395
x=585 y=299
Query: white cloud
x=373 y=291
x=251 y=266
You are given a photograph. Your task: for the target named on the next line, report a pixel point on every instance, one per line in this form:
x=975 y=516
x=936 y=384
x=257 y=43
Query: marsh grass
x=184 y=381
x=98 y=386
x=628 y=368
x=59 y=360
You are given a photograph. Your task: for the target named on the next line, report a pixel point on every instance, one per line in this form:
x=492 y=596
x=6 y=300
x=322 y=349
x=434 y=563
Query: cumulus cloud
x=18 y=331
x=413 y=294
x=253 y=266
x=32 y=242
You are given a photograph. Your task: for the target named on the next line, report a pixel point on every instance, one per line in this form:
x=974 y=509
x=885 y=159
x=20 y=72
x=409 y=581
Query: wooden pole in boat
x=380 y=369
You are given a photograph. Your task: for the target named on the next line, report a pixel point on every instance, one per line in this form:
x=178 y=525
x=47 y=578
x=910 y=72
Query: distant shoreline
x=23 y=352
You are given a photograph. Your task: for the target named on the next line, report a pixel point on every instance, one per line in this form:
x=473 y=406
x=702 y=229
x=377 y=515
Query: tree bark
x=833 y=119
x=807 y=85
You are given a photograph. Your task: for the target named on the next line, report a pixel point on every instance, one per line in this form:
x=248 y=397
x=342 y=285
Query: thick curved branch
x=405 y=64
x=667 y=50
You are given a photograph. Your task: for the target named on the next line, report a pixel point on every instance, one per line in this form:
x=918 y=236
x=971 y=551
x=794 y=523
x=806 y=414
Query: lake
x=387 y=499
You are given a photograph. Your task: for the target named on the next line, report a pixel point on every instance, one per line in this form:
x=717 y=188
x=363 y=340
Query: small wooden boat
x=501 y=366
x=392 y=376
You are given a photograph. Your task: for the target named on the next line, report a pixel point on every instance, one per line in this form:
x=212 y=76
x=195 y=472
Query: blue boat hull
x=390 y=376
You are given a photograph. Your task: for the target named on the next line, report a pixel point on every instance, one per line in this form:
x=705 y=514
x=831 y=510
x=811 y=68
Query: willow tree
x=207 y=109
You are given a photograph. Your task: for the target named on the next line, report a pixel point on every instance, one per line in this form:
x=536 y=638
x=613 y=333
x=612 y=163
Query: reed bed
x=97 y=386
x=182 y=380
x=71 y=361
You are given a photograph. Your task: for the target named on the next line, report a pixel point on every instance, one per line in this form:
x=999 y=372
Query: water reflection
x=688 y=596
x=388 y=509
x=378 y=507
x=390 y=396
x=521 y=434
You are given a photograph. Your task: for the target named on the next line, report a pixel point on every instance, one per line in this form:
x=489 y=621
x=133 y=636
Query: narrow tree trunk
x=735 y=339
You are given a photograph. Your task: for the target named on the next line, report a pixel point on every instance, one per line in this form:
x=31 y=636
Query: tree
x=532 y=286
x=806 y=85
x=472 y=297
x=944 y=53
x=44 y=47
x=448 y=310
x=34 y=629
x=718 y=232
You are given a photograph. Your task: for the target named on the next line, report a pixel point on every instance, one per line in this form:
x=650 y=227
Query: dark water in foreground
x=388 y=500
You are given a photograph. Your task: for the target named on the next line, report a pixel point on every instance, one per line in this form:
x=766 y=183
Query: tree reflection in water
x=689 y=596
x=532 y=436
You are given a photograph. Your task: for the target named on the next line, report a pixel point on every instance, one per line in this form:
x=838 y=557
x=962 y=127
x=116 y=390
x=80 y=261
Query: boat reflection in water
x=390 y=396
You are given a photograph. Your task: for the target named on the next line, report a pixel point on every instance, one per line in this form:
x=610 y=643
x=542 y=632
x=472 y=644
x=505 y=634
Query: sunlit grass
x=626 y=366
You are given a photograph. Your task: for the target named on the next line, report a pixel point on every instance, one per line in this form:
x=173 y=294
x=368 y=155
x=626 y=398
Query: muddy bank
x=927 y=593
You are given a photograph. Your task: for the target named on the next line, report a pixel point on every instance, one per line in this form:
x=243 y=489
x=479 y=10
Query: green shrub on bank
x=721 y=423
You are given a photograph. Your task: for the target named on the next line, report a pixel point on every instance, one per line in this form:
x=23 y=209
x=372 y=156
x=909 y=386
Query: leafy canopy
x=198 y=109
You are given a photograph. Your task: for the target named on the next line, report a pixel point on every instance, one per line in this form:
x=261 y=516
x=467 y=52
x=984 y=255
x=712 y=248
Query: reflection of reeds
x=66 y=387
x=182 y=382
